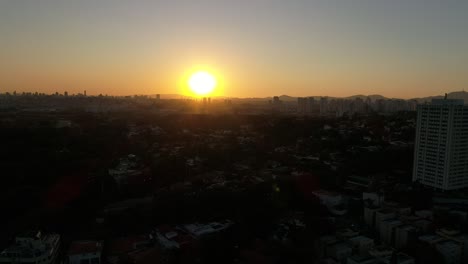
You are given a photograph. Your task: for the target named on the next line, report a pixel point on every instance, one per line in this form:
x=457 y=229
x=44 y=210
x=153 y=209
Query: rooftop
x=29 y=234
x=448 y=232
x=126 y=244
x=361 y=258
x=447 y=101
x=393 y=221
x=204 y=229
x=83 y=247
x=146 y=256
x=360 y=238
x=385 y=211
x=431 y=238
x=407 y=227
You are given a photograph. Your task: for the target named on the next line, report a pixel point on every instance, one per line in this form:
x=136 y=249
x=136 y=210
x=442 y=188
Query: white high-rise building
x=441 y=147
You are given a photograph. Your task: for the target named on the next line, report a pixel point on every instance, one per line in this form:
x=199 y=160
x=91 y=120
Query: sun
x=202 y=83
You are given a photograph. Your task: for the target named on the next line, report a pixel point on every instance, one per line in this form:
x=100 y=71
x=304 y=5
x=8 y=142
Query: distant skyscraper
x=323 y=105
x=305 y=105
x=277 y=104
x=158 y=97
x=276 y=100
x=311 y=104
x=301 y=105
x=441 y=146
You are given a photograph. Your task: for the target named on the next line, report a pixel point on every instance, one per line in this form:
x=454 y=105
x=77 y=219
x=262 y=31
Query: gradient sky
x=397 y=48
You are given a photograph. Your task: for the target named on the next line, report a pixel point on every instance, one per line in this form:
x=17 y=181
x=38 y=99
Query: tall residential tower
x=441 y=146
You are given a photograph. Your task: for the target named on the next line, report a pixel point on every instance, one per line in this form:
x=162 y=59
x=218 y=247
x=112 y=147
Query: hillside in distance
x=286 y=98
x=452 y=95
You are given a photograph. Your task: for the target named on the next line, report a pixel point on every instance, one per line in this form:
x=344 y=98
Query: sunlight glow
x=202 y=83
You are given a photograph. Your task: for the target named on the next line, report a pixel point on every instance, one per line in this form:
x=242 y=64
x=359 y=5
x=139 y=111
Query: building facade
x=441 y=145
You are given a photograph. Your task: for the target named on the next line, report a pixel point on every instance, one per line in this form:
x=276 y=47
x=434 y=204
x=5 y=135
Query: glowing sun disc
x=202 y=83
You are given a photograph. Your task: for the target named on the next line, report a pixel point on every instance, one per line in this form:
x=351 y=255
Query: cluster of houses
x=39 y=248
x=395 y=234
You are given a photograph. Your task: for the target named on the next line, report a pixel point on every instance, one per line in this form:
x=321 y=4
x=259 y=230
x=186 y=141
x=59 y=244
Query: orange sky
x=255 y=48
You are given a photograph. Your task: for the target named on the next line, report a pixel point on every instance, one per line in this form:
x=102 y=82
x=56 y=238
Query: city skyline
x=452 y=94
x=255 y=49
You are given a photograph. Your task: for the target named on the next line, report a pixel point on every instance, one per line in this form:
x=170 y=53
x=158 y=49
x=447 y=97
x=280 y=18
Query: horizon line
x=227 y=97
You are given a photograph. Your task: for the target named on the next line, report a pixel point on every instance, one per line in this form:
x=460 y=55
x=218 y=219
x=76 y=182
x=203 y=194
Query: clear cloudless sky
x=397 y=48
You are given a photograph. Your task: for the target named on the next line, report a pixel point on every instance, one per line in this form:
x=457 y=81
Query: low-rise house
x=361 y=244
x=393 y=258
x=397 y=258
x=373 y=198
x=381 y=252
x=431 y=239
x=118 y=249
x=369 y=216
x=404 y=235
x=426 y=214
x=388 y=229
x=127 y=170
x=323 y=243
x=32 y=248
x=340 y=251
x=200 y=230
x=172 y=238
x=382 y=215
x=423 y=225
x=151 y=255
x=346 y=233
x=361 y=259
x=451 y=251
x=333 y=201
x=85 y=252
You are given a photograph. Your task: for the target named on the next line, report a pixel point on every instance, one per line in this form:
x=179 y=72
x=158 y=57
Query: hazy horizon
x=257 y=48
x=182 y=96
